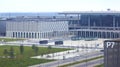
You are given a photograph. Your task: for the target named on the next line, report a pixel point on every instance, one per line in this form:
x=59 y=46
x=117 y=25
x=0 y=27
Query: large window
x=32 y=35
x=27 y=35
x=13 y=34
x=100 y=20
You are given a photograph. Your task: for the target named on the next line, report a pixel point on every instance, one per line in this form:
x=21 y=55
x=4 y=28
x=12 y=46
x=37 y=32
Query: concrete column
x=113 y=35
x=85 y=34
x=22 y=35
x=89 y=21
x=19 y=34
x=118 y=35
x=28 y=35
x=101 y=34
x=25 y=35
x=31 y=34
x=16 y=34
x=89 y=34
x=38 y=35
x=107 y=34
x=93 y=34
x=114 y=22
x=80 y=33
x=97 y=34
x=35 y=35
x=110 y=35
x=78 y=18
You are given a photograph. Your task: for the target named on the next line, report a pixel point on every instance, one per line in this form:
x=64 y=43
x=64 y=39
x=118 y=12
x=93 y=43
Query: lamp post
x=86 y=54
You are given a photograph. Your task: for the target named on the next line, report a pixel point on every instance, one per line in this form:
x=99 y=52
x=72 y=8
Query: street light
x=86 y=54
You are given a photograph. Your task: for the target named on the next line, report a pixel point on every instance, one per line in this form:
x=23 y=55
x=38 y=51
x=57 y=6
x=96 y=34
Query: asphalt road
x=90 y=63
x=69 y=60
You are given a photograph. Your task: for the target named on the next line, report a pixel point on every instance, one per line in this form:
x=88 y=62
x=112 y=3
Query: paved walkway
x=67 y=54
x=69 y=60
x=90 y=63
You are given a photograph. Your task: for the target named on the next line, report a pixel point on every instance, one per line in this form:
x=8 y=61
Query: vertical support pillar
x=88 y=33
x=80 y=33
x=16 y=34
x=118 y=34
x=114 y=22
x=110 y=36
x=113 y=35
x=93 y=34
x=24 y=34
x=89 y=21
x=28 y=35
x=85 y=34
x=20 y=34
x=106 y=34
x=97 y=34
x=101 y=34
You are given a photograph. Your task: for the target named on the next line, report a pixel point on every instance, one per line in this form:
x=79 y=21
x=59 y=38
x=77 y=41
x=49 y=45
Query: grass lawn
x=100 y=65
x=25 y=60
x=9 y=39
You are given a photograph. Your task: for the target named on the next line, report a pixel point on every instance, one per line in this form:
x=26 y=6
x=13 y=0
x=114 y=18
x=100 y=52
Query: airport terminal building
x=36 y=28
x=86 y=24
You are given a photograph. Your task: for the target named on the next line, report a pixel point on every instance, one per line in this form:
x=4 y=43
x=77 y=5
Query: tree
x=11 y=53
x=21 y=49
x=5 y=52
x=49 y=48
x=33 y=46
x=36 y=50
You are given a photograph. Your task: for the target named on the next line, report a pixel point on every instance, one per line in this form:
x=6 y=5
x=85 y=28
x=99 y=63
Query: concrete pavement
x=69 y=60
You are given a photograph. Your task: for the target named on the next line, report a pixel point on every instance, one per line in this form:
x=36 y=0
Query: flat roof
x=93 y=13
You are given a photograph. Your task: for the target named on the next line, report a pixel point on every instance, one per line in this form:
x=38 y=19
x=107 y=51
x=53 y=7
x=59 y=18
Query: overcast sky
x=58 y=5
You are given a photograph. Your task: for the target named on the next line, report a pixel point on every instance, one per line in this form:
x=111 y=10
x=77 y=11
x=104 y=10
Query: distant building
x=112 y=53
x=36 y=29
x=84 y=24
x=95 y=24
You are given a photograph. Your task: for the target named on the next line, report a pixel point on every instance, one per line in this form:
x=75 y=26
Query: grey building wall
x=36 y=29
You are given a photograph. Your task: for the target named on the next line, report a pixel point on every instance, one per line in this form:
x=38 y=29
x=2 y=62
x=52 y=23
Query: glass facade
x=97 y=20
x=96 y=26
